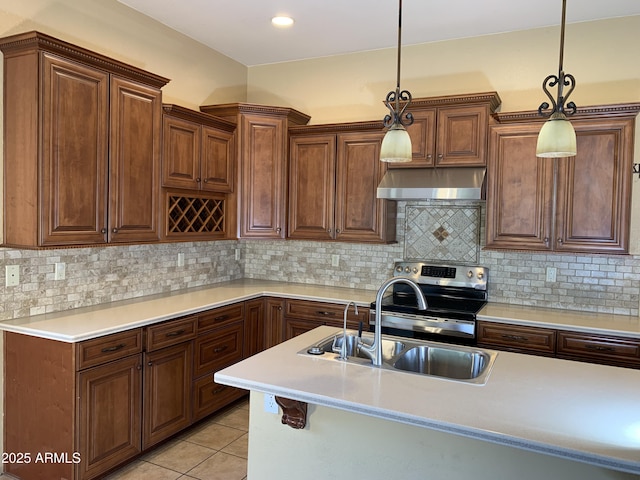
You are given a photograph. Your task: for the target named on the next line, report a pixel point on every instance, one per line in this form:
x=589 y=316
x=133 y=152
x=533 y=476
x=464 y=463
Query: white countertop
x=580 y=411
x=86 y=323
x=91 y=322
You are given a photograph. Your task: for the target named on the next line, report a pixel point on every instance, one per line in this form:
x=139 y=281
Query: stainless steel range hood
x=464 y=183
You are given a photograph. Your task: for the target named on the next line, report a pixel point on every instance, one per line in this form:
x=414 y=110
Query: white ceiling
x=242 y=30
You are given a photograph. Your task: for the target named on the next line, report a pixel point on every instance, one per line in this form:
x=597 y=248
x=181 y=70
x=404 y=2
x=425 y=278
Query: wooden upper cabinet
x=261 y=139
x=134 y=171
x=334 y=173
x=450 y=131
x=589 y=193
x=198 y=151
x=82 y=145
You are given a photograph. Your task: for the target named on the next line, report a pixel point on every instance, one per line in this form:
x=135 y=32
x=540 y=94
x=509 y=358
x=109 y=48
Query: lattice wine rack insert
x=195 y=215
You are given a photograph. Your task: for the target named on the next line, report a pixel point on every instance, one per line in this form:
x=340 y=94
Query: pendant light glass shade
x=557 y=138
x=396 y=145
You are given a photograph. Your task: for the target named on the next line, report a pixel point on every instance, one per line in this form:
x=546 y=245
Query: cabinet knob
x=115 y=230
x=278 y=229
x=206 y=180
x=337 y=230
x=440 y=156
x=429 y=156
x=103 y=230
x=560 y=241
x=150 y=364
x=546 y=241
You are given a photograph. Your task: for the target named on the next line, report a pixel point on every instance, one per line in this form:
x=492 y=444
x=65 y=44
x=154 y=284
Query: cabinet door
x=181 y=153
x=594 y=190
x=263 y=176
x=109 y=415
x=462 y=136
x=423 y=139
x=167 y=392
x=217 y=160
x=136 y=118
x=274 y=321
x=75 y=153
x=360 y=215
x=519 y=190
x=312 y=178
x=254 y=327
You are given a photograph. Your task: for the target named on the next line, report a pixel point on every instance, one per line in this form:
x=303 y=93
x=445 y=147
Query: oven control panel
x=469 y=276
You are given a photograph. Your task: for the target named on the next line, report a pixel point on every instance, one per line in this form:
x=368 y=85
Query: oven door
x=424 y=327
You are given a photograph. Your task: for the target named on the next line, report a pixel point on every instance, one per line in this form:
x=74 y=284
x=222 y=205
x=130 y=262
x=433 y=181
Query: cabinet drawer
x=105 y=349
x=219 y=317
x=171 y=333
x=210 y=396
x=517 y=338
x=324 y=311
x=218 y=348
x=597 y=348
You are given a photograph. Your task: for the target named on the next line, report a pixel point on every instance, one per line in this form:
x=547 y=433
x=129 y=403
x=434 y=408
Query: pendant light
x=557 y=138
x=396 y=144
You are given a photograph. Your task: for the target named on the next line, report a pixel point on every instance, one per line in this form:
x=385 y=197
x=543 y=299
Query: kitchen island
x=534 y=418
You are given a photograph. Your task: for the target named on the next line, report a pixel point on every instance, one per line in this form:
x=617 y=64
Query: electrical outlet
x=335 y=260
x=551 y=274
x=270 y=405
x=181 y=259
x=60 y=271
x=12 y=275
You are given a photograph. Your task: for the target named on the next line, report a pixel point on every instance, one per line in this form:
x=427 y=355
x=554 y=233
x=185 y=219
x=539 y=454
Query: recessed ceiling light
x=282 y=21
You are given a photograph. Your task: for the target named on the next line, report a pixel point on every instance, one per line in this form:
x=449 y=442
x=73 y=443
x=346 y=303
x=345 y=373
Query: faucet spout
x=374 y=352
x=343 y=349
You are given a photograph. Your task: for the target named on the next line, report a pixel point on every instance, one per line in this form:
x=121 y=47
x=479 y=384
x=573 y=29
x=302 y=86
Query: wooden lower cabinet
x=110 y=412
x=599 y=349
x=167 y=393
x=100 y=403
x=516 y=338
x=254 y=327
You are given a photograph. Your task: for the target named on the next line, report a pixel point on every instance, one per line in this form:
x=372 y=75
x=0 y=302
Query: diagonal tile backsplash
x=442 y=233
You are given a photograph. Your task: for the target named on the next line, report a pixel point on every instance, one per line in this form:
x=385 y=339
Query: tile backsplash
x=595 y=283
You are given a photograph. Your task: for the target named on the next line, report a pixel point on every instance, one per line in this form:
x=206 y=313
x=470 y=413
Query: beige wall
x=601 y=55
x=198 y=74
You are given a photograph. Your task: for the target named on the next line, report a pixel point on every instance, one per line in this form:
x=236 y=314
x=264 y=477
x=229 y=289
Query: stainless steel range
x=454 y=293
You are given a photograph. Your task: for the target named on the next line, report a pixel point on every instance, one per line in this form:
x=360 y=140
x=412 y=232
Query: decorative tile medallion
x=449 y=233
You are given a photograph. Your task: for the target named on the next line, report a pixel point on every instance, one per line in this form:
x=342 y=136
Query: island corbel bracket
x=294 y=412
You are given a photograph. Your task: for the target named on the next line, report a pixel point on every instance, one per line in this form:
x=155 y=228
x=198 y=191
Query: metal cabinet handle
x=337 y=230
x=103 y=230
x=546 y=241
x=176 y=333
x=150 y=364
x=278 y=230
x=599 y=348
x=517 y=338
x=560 y=241
x=320 y=312
x=215 y=391
x=115 y=230
x=206 y=180
x=220 y=318
x=220 y=349
x=198 y=179
x=115 y=348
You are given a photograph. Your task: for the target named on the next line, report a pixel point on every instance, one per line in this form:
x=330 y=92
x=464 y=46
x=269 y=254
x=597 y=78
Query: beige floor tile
x=214 y=436
x=221 y=466
x=235 y=418
x=239 y=447
x=179 y=455
x=141 y=470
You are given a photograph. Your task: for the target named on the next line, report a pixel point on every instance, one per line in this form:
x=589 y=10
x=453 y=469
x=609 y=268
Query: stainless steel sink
x=446 y=362
x=454 y=362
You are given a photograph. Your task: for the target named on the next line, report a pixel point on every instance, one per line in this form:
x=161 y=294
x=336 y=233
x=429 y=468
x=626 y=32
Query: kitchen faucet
x=343 y=349
x=374 y=352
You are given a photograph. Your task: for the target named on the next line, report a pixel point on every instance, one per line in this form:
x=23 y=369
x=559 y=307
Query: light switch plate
x=12 y=275
x=60 y=271
x=270 y=405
